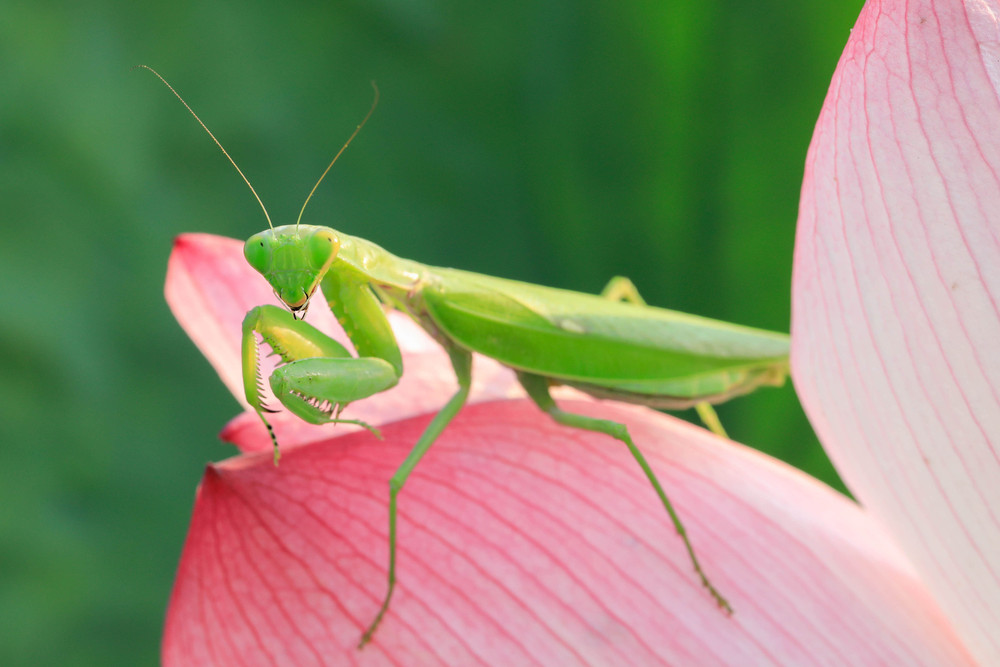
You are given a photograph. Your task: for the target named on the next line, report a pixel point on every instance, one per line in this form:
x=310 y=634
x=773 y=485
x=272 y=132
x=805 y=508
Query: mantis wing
x=608 y=348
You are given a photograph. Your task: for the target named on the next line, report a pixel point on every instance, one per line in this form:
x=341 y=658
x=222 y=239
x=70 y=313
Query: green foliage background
x=555 y=142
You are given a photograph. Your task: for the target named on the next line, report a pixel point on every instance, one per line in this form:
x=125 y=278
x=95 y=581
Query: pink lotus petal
x=896 y=309
x=210 y=288
x=525 y=542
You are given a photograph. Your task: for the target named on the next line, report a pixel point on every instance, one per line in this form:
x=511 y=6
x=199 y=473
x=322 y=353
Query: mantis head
x=293 y=259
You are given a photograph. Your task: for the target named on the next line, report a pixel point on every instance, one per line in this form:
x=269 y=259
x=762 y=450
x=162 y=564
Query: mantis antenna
x=342 y=149
x=245 y=180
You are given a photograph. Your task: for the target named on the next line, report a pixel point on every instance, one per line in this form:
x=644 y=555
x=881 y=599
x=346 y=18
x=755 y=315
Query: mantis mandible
x=610 y=346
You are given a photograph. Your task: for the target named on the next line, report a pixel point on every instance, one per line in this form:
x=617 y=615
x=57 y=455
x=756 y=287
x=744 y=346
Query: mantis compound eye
x=259 y=251
x=321 y=249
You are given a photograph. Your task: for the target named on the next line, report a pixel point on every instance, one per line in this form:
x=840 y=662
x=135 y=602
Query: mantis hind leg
x=461 y=361
x=538 y=389
x=710 y=418
x=621 y=288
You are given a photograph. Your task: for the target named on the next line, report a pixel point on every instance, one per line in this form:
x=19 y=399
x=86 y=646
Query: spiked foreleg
x=318 y=389
x=320 y=376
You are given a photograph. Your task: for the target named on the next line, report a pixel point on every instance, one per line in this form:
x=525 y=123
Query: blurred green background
x=554 y=142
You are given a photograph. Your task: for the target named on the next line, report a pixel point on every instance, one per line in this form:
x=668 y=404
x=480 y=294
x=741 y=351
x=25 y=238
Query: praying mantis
x=610 y=346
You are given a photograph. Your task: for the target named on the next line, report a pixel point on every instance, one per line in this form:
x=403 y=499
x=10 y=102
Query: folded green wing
x=608 y=346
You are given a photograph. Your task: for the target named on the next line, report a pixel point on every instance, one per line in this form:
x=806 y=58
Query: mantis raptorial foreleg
x=538 y=389
x=621 y=288
x=461 y=361
x=319 y=377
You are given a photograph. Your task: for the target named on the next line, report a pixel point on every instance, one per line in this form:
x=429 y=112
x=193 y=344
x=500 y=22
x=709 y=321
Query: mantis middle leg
x=538 y=389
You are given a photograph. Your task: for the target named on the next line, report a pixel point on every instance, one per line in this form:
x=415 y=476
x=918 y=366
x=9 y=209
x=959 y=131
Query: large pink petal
x=210 y=287
x=896 y=333
x=522 y=542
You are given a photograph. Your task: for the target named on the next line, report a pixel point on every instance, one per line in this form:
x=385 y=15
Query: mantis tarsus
x=611 y=346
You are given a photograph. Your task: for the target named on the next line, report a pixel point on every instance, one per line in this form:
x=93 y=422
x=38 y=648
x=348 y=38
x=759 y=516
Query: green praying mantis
x=610 y=346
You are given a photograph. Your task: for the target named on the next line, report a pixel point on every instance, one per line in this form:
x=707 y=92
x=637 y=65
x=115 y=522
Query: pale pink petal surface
x=522 y=542
x=896 y=333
